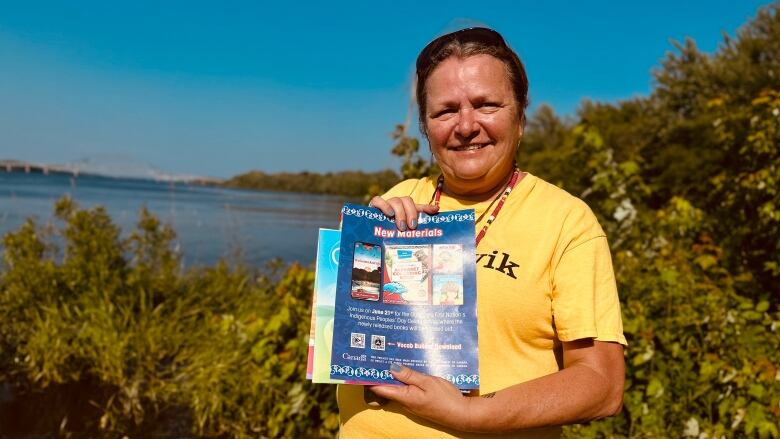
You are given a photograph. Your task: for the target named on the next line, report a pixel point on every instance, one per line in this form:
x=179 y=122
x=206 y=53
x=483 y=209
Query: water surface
x=210 y=222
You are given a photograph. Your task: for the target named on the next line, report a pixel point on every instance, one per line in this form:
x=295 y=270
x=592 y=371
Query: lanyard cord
x=507 y=190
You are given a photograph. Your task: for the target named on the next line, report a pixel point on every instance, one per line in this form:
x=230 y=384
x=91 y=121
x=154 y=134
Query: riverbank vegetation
x=352 y=184
x=108 y=335
x=111 y=336
x=686 y=183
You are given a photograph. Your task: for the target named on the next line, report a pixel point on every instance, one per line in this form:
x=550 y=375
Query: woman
x=550 y=333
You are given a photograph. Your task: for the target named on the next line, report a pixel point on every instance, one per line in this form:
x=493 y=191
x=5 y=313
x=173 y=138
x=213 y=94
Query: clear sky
x=219 y=88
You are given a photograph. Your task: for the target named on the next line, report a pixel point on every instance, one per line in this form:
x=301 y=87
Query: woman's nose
x=467 y=124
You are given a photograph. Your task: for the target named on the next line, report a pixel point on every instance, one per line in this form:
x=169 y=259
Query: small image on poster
x=448 y=258
x=447 y=289
x=366 y=276
x=407 y=274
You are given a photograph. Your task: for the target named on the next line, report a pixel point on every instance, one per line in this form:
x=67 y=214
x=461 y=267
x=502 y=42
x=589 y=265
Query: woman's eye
x=444 y=112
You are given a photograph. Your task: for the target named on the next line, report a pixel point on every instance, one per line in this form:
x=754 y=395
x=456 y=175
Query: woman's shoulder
x=551 y=194
x=556 y=201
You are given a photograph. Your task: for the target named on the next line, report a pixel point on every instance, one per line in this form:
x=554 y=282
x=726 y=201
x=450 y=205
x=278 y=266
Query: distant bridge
x=37 y=168
x=107 y=166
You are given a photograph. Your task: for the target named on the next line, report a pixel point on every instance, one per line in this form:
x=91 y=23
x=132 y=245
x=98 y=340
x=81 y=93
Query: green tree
x=684 y=182
x=413 y=165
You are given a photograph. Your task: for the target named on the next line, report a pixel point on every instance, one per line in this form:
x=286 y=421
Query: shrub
x=120 y=322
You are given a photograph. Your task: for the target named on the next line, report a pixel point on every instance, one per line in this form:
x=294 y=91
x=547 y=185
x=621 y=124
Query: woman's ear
x=521 y=128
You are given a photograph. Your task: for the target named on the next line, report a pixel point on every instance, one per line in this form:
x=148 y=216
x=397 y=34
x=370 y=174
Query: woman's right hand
x=403 y=209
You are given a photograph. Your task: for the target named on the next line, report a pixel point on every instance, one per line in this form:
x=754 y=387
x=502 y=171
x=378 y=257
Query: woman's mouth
x=470 y=147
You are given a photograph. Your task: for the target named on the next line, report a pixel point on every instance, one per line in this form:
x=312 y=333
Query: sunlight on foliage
x=224 y=347
x=105 y=335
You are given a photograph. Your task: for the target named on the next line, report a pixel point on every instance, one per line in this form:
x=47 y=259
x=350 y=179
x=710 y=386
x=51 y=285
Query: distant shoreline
x=353 y=184
x=22 y=167
x=350 y=184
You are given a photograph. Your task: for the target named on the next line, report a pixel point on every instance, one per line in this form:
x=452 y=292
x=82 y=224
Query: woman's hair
x=463 y=44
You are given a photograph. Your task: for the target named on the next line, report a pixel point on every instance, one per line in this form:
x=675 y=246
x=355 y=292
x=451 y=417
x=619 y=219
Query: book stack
x=383 y=296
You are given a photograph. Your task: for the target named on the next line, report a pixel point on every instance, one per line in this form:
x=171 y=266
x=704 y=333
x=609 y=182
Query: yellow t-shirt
x=544 y=275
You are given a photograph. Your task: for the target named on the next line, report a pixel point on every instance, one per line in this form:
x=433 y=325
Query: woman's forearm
x=578 y=393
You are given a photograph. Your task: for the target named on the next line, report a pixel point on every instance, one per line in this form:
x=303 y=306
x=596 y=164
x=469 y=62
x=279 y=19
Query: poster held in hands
x=406 y=297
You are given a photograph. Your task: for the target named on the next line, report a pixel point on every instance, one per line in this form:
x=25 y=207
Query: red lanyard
x=516 y=176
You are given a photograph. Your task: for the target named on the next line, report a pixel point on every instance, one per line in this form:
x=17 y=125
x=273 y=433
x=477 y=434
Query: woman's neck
x=479 y=192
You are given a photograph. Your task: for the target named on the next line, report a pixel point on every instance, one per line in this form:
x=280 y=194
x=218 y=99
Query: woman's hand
x=403 y=209
x=589 y=387
x=430 y=397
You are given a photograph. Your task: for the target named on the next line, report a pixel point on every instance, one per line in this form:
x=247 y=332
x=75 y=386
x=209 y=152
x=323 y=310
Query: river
x=210 y=222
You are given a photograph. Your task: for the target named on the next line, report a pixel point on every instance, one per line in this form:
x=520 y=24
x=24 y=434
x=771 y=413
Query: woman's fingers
x=408 y=394
x=382 y=205
x=430 y=209
x=399 y=208
x=410 y=209
x=407 y=375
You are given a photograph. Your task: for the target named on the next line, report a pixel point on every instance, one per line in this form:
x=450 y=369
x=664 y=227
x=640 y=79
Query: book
x=406 y=297
x=323 y=302
x=323 y=305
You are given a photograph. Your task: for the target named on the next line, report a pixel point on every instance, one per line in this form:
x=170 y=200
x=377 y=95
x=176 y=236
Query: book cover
x=407 y=270
x=323 y=302
x=406 y=297
x=323 y=305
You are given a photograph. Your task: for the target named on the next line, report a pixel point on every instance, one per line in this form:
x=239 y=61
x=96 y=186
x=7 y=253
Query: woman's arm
x=590 y=386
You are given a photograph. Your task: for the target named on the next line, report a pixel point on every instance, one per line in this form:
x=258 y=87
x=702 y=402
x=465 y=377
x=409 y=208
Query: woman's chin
x=469 y=173
x=470 y=176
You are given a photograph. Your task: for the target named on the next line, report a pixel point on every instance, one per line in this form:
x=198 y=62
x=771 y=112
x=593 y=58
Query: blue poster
x=406 y=297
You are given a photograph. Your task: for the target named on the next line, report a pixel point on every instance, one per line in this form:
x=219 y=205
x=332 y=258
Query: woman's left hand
x=430 y=397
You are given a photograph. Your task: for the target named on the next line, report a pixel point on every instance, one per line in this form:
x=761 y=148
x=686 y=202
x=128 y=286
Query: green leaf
x=655 y=388
x=757 y=391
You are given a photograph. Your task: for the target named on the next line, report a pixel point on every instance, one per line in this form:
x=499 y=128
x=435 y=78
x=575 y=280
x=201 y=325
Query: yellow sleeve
x=584 y=293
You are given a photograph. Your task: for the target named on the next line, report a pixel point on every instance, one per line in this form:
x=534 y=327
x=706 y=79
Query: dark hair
x=463 y=44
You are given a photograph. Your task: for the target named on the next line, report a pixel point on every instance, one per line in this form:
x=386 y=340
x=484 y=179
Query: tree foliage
x=413 y=165
x=685 y=183
x=105 y=335
x=353 y=184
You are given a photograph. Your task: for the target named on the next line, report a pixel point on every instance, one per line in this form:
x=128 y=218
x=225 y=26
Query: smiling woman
x=473 y=123
x=550 y=332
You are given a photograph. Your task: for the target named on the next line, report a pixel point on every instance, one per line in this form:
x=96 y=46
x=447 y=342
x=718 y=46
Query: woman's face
x=473 y=123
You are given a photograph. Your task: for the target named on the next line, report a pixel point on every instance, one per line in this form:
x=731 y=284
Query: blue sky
x=219 y=88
